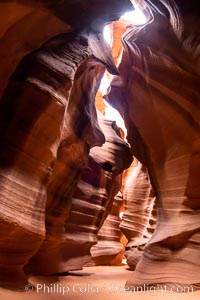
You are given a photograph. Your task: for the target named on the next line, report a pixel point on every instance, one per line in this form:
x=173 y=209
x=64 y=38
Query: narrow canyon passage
x=99 y=149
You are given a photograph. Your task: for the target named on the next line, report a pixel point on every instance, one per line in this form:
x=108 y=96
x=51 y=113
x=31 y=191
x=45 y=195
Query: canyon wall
x=109 y=249
x=138 y=207
x=48 y=119
x=57 y=181
x=158 y=95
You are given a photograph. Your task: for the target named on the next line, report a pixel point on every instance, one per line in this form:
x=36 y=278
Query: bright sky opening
x=110 y=112
x=107 y=33
x=136 y=17
x=113 y=115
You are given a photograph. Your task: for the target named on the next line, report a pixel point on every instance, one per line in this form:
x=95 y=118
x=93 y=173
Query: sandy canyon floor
x=93 y=283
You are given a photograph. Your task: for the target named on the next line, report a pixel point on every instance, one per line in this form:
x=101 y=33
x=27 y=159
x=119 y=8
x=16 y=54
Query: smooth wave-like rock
x=93 y=199
x=48 y=124
x=160 y=87
x=80 y=132
x=24 y=28
x=76 y=185
x=138 y=204
x=36 y=82
x=109 y=250
x=32 y=114
x=26 y=25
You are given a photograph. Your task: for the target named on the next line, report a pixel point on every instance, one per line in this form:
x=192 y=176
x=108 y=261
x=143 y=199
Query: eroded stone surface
x=109 y=250
x=138 y=204
x=49 y=123
x=161 y=90
x=41 y=50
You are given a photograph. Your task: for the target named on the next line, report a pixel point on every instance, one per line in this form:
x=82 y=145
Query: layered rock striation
x=138 y=204
x=160 y=88
x=109 y=250
x=39 y=127
x=74 y=218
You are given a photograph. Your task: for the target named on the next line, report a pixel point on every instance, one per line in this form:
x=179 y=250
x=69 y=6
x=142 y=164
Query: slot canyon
x=100 y=149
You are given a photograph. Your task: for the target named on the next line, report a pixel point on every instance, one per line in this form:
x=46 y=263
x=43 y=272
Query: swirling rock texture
x=72 y=229
x=109 y=250
x=38 y=68
x=114 y=156
x=138 y=204
x=118 y=29
x=48 y=125
x=160 y=89
x=80 y=132
x=87 y=209
x=93 y=198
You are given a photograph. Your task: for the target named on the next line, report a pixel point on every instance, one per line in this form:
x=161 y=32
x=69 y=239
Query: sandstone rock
x=49 y=123
x=109 y=250
x=38 y=69
x=161 y=91
x=92 y=199
x=24 y=28
x=138 y=204
x=27 y=25
x=80 y=132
